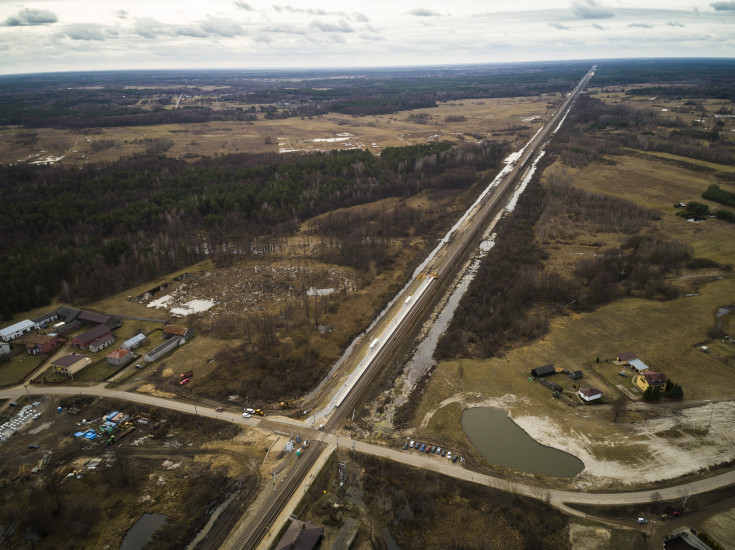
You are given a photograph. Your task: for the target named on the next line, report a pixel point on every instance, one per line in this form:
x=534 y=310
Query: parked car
x=248 y=410
x=186 y=375
x=33 y=446
x=428 y=448
x=433 y=449
x=246 y=415
x=411 y=444
x=405 y=445
x=449 y=455
x=642 y=521
x=422 y=448
x=36 y=415
x=184 y=381
x=138 y=366
x=454 y=458
x=219 y=409
x=438 y=450
x=676 y=513
x=13 y=404
x=444 y=452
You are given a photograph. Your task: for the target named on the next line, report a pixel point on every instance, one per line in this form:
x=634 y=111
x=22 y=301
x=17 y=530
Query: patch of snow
x=191 y=307
x=319 y=291
x=162 y=301
x=326 y=140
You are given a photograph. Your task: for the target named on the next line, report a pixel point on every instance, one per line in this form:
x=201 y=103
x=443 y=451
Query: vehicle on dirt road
x=219 y=409
x=184 y=381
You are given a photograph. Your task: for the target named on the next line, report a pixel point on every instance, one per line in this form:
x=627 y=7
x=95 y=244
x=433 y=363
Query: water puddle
x=502 y=442
x=140 y=533
x=213 y=518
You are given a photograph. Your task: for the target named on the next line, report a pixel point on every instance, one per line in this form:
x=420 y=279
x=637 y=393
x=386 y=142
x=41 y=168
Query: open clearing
x=500 y=118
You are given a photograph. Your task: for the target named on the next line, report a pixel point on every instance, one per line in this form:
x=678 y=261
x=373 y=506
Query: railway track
x=447 y=259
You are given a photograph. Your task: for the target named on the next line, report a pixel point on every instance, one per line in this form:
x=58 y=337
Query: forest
x=90 y=232
x=76 y=100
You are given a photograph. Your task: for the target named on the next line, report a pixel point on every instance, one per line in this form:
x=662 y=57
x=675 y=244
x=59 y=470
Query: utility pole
x=711 y=412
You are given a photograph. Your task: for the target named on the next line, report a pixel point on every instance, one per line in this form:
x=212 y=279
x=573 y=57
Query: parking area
x=428 y=448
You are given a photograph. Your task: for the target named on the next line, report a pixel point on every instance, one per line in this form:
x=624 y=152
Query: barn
x=543 y=370
x=84 y=339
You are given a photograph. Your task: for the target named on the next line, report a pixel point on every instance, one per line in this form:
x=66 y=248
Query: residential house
x=625 y=356
x=543 y=370
x=18 y=329
x=101 y=343
x=120 y=357
x=70 y=364
x=589 y=394
x=300 y=535
x=650 y=379
x=41 y=343
x=84 y=339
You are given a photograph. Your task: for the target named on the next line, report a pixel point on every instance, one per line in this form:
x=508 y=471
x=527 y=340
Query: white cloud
x=599 y=27
x=244 y=6
x=219 y=26
x=559 y=26
x=30 y=18
x=723 y=6
x=590 y=9
x=87 y=32
x=674 y=24
x=423 y=12
x=341 y=26
x=121 y=14
x=640 y=25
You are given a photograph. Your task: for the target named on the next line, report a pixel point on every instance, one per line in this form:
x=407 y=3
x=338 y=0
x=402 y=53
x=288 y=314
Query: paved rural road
x=410 y=458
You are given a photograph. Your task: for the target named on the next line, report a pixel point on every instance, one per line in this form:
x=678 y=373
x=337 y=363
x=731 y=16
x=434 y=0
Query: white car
x=411 y=444
x=449 y=455
x=246 y=415
x=642 y=521
x=36 y=415
x=251 y=411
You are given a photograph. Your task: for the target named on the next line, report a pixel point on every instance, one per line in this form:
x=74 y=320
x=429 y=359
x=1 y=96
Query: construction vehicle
x=259 y=412
x=285 y=405
x=186 y=375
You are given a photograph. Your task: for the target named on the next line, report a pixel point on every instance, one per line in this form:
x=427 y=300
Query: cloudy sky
x=64 y=35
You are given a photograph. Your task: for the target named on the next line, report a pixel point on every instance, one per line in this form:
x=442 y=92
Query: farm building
x=41 y=343
x=4 y=349
x=163 y=349
x=169 y=331
x=650 y=379
x=300 y=535
x=84 y=339
x=91 y=318
x=626 y=356
x=42 y=321
x=18 y=329
x=576 y=375
x=70 y=364
x=638 y=365
x=543 y=370
x=68 y=314
x=102 y=343
x=135 y=342
x=589 y=394
x=66 y=328
x=120 y=357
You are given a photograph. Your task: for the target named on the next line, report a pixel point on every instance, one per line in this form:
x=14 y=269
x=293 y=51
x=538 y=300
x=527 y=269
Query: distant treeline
x=139 y=98
x=94 y=231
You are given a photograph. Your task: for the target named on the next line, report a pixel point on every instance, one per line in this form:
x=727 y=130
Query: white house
x=589 y=394
x=18 y=329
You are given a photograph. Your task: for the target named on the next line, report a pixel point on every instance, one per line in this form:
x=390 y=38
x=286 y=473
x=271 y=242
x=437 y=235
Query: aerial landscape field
x=440 y=302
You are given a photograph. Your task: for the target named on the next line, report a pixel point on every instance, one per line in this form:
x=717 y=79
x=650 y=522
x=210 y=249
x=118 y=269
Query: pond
x=142 y=531
x=502 y=442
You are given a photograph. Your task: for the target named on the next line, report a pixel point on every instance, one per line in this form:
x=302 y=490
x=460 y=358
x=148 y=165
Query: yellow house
x=648 y=379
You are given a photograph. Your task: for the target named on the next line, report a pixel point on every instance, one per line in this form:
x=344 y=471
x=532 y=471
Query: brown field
x=490 y=118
